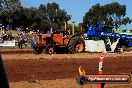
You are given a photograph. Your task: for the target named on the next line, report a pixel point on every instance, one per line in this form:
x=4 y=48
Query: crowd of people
x=23 y=39
x=5 y=35
x=26 y=39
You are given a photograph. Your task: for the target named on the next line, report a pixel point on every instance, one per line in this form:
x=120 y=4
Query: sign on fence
x=8 y=43
x=95 y=46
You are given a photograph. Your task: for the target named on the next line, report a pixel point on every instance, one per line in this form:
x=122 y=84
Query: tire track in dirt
x=43 y=69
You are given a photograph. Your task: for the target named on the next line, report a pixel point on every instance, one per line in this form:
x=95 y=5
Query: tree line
x=113 y=14
x=44 y=17
x=50 y=15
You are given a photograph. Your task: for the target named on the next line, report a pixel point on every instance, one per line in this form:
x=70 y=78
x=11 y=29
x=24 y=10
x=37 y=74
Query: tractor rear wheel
x=76 y=45
x=50 y=49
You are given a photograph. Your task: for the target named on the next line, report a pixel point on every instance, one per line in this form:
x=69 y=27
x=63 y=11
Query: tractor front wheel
x=50 y=49
x=37 y=50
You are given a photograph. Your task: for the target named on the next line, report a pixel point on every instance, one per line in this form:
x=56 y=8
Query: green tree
x=8 y=8
x=44 y=17
x=112 y=14
x=52 y=16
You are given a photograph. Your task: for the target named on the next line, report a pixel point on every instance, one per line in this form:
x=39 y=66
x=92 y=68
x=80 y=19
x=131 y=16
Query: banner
x=8 y=43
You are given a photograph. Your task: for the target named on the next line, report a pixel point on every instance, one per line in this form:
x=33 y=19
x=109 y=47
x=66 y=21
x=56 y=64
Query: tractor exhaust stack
x=73 y=27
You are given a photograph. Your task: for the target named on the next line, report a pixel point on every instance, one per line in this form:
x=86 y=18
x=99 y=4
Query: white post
x=51 y=30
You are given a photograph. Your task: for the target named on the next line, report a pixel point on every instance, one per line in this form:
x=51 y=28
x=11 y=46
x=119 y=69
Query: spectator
x=20 y=42
x=32 y=42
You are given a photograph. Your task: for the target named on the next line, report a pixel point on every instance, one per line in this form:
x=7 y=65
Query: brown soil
x=42 y=69
x=28 y=67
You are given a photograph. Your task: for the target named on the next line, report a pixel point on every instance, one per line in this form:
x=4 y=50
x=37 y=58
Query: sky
x=78 y=8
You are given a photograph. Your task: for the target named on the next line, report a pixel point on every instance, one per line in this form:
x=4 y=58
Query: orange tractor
x=62 y=40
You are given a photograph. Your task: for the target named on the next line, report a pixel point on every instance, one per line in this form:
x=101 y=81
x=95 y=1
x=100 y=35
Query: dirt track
x=23 y=68
x=59 y=68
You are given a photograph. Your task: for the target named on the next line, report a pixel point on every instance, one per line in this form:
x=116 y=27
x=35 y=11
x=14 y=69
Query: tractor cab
x=61 y=37
x=42 y=38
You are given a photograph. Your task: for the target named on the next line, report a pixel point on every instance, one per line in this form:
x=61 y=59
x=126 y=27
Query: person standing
x=20 y=41
x=32 y=42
